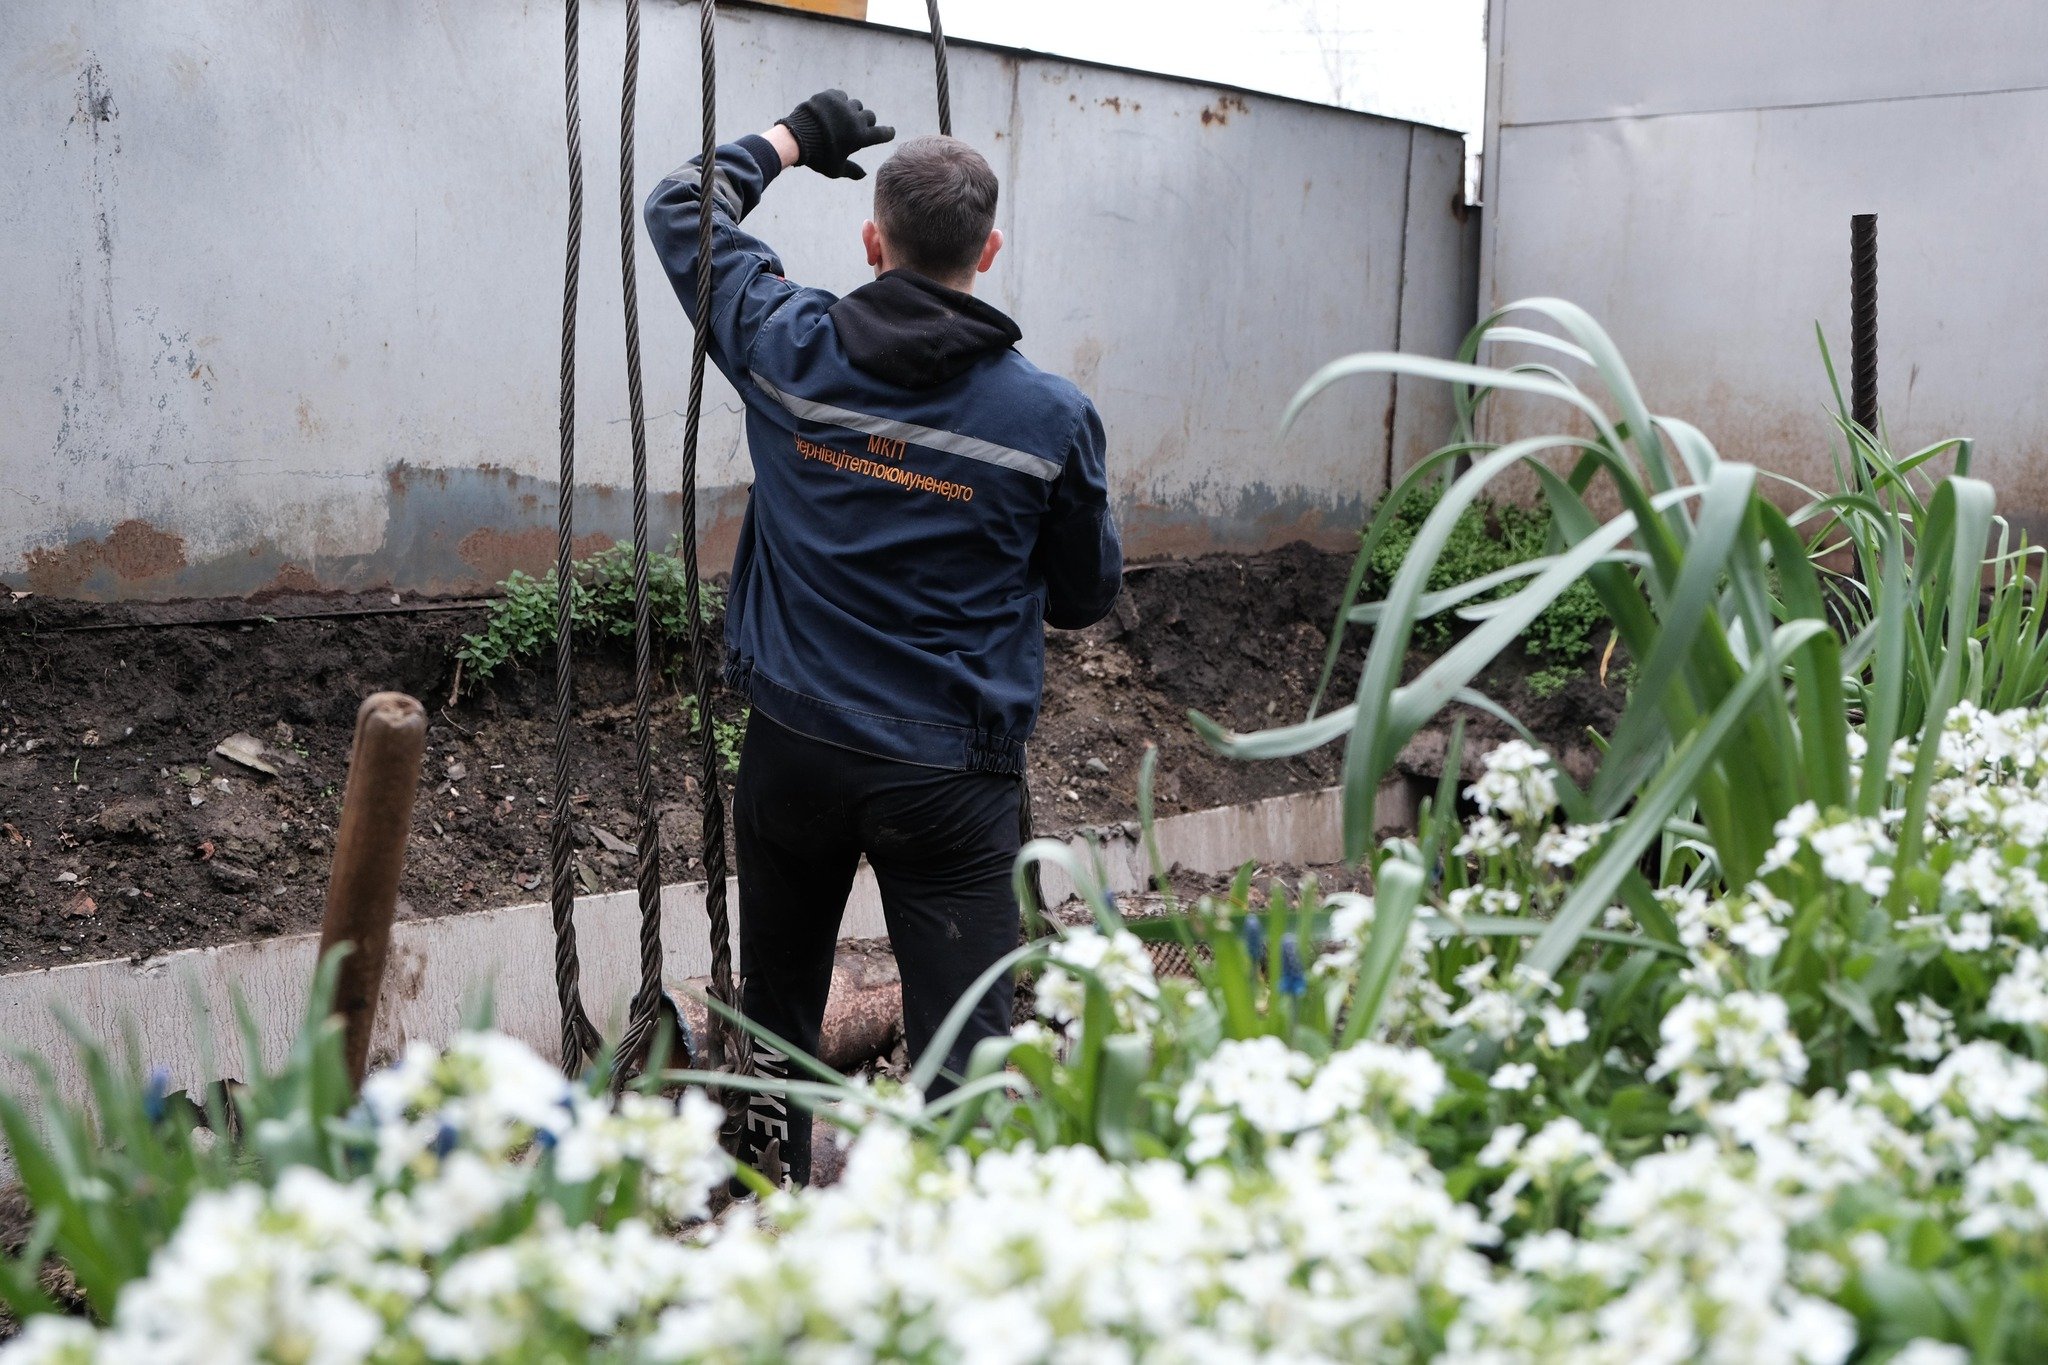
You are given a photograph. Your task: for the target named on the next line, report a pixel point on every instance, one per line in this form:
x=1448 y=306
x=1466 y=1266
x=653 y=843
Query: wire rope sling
x=726 y=1047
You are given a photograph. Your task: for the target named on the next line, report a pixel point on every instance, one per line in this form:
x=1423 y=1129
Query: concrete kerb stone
x=181 y=1005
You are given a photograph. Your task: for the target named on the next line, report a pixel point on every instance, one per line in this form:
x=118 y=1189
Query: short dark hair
x=935 y=201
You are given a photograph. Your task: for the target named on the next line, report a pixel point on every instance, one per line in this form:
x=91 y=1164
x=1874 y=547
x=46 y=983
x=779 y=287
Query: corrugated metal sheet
x=282 y=282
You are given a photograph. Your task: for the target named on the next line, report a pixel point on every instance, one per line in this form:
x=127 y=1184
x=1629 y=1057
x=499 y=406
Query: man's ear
x=871 y=238
x=989 y=250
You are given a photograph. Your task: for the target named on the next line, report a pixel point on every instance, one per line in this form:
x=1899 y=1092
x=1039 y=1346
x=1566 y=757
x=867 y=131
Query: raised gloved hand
x=829 y=128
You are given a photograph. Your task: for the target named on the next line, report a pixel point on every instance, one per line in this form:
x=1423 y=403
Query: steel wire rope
x=579 y=1036
x=645 y=1013
x=931 y=7
x=727 y=1045
x=1034 y=882
x=580 y=1039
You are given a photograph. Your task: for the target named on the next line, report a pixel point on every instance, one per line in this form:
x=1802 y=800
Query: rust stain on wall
x=494 y=553
x=461 y=531
x=292 y=578
x=1217 y=114
x=132 y=552
x=1262 y=519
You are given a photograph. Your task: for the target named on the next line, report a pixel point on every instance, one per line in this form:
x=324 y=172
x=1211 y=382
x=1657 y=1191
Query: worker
x=925 y=502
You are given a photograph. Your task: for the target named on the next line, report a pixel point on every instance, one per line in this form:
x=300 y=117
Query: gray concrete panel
x=1581 y=59
x=282 y=282
x=1710 y=244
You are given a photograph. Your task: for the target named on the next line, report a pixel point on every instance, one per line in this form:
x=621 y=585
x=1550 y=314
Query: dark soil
x=122 y=834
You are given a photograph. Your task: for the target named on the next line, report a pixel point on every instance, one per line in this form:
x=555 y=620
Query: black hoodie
x=917 y=333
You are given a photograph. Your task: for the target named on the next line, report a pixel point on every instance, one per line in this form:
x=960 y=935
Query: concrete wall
x=1687 y=173
x=279 y=290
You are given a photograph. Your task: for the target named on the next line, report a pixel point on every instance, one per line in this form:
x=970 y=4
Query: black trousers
x=941 y=843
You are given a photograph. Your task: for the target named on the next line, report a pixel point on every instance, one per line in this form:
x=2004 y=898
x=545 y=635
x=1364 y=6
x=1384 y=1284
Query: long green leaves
x=1757 y=652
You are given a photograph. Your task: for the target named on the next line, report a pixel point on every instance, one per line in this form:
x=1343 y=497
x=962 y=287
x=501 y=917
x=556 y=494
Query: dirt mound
x=123 y=834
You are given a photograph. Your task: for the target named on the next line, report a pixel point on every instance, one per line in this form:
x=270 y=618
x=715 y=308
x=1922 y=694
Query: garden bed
x=123 y=834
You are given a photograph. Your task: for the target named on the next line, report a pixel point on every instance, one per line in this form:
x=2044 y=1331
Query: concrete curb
x=181 y=1002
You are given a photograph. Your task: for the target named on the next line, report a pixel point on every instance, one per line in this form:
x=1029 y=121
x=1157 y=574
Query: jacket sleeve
x=1079 y=551
x=746 y=275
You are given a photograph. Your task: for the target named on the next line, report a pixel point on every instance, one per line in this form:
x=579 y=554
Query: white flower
x=1517 y=783
x=1513 y=1076
x=1567 y=846
x=1486 y=837
x=1930 y=1030
x=2021 y=995
x=1562 y=1028
x=1500 y=1149
x=1117 y=962
x=1853 y=850
x=1741 y=1036
x=1927 y=1351
x=1971 y=934
x=2005 y=1192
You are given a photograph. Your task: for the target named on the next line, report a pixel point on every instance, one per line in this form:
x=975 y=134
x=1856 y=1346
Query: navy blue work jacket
x=925 y=499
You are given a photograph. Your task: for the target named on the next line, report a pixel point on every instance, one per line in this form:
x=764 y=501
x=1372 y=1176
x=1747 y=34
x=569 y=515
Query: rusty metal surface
x=296 y=333
x=1688 y=180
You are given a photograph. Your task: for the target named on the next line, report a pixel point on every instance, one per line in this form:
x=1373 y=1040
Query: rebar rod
x=1863 y=320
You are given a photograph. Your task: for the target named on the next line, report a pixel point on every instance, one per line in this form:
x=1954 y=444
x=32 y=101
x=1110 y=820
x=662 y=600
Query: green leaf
x=1399 y=891
x=1596 y=888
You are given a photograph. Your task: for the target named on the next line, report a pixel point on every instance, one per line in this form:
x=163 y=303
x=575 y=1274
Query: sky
x=1415 y=59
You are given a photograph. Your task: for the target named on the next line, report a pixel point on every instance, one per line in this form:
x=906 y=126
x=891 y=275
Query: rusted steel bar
x=1863 y=320
x=369 y=855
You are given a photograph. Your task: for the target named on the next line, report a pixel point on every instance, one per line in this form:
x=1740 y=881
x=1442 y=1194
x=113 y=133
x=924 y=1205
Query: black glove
x=829 y=128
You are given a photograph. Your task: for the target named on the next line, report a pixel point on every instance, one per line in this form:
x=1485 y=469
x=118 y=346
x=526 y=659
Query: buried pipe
x=863 y=1014
x=369 y=855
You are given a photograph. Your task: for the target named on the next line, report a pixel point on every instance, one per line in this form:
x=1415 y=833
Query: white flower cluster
x=444 y=1249
x=1517 y=784
x=1853 y=850
x=1712 y=1152
x=1712 y=1044
x=1118 y=963
x=1262 y=1087
x=1413 y=999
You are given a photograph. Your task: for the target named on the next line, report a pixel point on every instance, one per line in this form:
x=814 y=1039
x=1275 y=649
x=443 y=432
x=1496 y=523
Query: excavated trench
x=125 y=834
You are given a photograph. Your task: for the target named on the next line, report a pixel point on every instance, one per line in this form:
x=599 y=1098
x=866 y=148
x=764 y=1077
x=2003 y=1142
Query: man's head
x=935 y=213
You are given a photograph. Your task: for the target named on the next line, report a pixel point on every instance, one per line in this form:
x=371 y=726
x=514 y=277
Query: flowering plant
x=1734 y=1055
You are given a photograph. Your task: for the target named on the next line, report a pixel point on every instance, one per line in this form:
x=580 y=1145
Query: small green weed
x=522 y=622
x=1490 y=536
x=1548 y=681
x=725 y=734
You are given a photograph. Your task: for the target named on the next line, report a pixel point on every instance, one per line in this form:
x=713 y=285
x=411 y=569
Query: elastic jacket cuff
x=764 y=154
